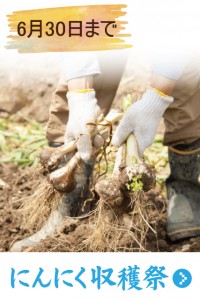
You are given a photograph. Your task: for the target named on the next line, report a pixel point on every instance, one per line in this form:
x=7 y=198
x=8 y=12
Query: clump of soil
x=73 y=232
x=18 y=183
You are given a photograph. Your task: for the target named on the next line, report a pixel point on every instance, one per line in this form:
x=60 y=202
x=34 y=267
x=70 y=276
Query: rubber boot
x=183 y=192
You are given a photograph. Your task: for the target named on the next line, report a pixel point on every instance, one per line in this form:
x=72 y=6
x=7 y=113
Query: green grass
x=21 y=141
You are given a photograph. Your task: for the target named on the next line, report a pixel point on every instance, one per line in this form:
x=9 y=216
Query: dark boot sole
x=183 y=234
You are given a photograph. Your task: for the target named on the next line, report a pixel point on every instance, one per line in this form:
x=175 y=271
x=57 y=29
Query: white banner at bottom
x=100 y=276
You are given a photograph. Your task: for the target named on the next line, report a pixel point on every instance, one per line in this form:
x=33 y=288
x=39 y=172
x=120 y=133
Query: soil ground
x=19 y=183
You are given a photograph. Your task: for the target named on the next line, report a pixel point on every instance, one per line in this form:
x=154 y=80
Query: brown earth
x=16 y=183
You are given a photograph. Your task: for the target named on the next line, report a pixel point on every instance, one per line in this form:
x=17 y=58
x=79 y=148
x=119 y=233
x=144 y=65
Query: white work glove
x=142 y=118
x=83 y=109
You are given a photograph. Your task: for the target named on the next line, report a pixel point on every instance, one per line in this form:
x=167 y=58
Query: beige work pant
x=182 y=118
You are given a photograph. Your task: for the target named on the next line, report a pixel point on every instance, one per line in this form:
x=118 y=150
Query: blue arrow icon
x=182 y=278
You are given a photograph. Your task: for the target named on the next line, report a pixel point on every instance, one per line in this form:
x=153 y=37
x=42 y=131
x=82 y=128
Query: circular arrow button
x=182 y=278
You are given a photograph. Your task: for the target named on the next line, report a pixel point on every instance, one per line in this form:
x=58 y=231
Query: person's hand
x=142 y=118
x=83 y=113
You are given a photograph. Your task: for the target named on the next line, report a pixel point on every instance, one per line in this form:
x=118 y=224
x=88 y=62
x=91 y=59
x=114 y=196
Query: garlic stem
x=132 y=154
x=54 y=160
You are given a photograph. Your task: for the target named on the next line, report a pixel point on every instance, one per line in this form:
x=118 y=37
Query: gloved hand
x=83 y=112
x=142 y=118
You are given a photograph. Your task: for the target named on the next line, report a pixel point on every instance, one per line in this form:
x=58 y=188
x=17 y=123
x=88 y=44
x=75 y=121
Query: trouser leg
x=182 y=121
